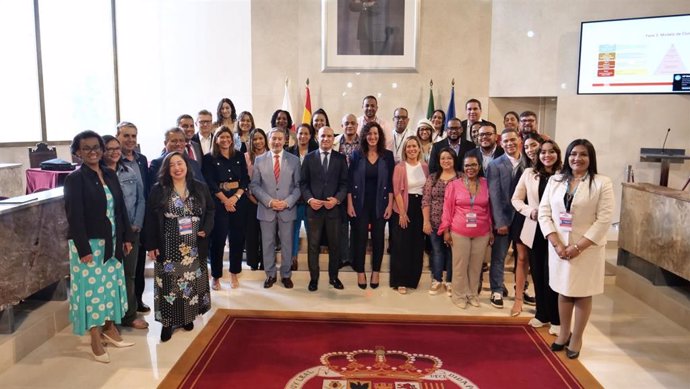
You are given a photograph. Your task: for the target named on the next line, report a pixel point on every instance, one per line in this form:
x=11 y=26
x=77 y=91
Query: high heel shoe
x=517 y=308
x=103 y=358
x=559 y=347
x=373 y=284
x=189 y=326
x=571 y=354
x=116 y=343
x=364 y=285
x=166 y=333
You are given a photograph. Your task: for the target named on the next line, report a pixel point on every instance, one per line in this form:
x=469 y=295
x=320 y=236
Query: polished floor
x=627 y=343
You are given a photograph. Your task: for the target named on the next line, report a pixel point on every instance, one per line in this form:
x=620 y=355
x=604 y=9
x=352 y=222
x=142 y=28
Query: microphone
x=663 y=147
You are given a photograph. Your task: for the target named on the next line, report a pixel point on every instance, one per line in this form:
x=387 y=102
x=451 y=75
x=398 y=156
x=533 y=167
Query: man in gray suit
x=502 y=175
x=275 y=184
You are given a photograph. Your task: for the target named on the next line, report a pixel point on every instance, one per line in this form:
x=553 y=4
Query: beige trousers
x=468 y=255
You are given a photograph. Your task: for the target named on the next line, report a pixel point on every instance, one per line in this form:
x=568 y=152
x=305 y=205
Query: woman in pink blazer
x=405 y=227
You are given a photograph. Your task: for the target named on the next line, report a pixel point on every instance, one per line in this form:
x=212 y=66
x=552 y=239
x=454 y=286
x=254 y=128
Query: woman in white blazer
x=526 y=197
x=575 y=215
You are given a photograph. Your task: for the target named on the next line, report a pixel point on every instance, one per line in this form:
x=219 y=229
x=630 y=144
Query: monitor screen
x=641 y=55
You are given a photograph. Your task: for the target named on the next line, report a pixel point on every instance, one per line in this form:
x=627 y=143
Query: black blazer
x=356 y=180
x=85 y=205
x=314 y=183
x=476 y=152
x=154 y=233
x=156 y=166
x=219 y=170
x=465 y=146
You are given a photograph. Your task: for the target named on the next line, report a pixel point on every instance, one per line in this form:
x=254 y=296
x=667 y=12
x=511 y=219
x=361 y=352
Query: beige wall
x=286 y=42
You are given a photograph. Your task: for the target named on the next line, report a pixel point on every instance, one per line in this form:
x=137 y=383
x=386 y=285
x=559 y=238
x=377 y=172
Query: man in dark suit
x=323 y=184
x=455 y=141
x=473 y=109
x=502 y=175
x=174 y=141
x=204 y=137
x=488 y=149
x=191 y=148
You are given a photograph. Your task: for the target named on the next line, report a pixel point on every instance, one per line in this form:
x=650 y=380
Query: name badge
x=185 y=224
x=471 y=219
x=566 y=221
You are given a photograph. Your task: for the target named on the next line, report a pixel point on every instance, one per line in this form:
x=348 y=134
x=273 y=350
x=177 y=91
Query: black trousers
x=407 y=246
x=231 y=226
x=328 y=220
x=139 y=279
x=547 y=299
x=252 y=241
x=360 y=235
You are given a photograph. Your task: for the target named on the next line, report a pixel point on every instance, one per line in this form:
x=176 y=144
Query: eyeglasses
x=112 y=149
x=349 y=123
x=454 y=128
x=204 y=122
x=425 y=129
x=483 y=134
x=471 y=165
x=94 y=149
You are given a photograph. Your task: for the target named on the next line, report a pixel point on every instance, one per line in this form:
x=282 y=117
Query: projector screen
x=642 y=55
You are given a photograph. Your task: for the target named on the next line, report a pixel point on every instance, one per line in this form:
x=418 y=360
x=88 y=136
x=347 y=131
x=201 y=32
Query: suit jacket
x=357 y=180
x=85 y=205
x=198 y=151
x=265 y=188
x=465 y=146
x=527 y=189
x=501 y=186
x=196 y=139
x=156 y=166
x=465 y=133
x=320 y=185
x=477 y=152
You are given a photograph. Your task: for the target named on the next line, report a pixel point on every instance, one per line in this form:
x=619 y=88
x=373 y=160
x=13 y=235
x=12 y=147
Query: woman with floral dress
x=179 y=218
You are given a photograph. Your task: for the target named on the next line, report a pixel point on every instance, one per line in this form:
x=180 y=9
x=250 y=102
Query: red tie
x=276 y=167
x=190 y=152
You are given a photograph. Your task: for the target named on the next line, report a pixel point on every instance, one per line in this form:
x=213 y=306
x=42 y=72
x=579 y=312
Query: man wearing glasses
x=455 y=141
x=400 y=133
x=487 y=147
x=204 y=137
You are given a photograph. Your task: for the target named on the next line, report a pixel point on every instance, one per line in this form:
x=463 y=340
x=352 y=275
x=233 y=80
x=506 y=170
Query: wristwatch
x=239 y=196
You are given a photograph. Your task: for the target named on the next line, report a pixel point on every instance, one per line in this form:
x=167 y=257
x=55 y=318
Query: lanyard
x=183 y=203
x=568 y=201
x=472 y=197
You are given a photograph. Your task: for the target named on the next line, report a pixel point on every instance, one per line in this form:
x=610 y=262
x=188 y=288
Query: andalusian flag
x=306 y=115
x=430 y=108
x=450 y=113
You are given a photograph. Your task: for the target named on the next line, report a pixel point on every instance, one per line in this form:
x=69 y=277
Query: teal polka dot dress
x=98 y=288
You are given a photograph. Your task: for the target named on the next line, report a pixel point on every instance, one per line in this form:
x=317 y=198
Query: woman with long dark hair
x=99 y=236
x=225 y=172
x=244 y=126
x=370 y=199
x=575 y=216
x=258 y=145
x=438 y=119
x=179 y=219
x=225 y=114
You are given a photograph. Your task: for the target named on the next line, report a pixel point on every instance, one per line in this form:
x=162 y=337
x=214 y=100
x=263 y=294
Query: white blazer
x=527 y=189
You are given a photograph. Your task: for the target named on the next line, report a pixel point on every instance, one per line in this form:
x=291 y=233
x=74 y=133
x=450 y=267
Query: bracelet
x=578 y=249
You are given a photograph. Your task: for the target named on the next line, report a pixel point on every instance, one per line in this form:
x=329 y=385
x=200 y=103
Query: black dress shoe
x=269 y=282
x=189 y=326
x=294 y=265
x=143 y=308
x=336 y=283
x=313 y=285
x=287 y=283
x=166 y=333
x=571 y=354
x=255 y=267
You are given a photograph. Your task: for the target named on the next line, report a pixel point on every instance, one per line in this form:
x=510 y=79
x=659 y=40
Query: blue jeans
x=498 y=258
x=440 y=258
x=301 y=217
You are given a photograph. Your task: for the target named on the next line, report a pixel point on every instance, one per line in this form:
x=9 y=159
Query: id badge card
x=471 y=218
x=185 y=224
x=565 y=221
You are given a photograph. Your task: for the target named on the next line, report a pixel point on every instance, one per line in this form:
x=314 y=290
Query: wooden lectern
x=666 y=157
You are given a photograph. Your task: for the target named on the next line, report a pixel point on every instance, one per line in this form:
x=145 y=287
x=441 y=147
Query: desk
x=38 y=179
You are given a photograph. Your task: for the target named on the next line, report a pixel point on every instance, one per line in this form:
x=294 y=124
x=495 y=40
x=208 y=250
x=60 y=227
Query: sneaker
x=461 y=303
x=529 y=300
x=554 y=330
x=435 y=288
x=449 y=289
x=497 y=300
x=536 y=323
x=473 y=301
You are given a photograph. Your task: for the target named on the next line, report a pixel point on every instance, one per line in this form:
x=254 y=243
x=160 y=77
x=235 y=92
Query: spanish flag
x=306 y=115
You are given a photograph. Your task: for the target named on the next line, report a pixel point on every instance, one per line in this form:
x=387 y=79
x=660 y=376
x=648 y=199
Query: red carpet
x=240 y=349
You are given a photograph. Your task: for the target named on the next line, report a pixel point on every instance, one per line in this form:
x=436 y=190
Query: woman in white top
x=405 y=227
x=575 y=215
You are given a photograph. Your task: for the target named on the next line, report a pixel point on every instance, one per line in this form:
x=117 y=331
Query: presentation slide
x=647 y=55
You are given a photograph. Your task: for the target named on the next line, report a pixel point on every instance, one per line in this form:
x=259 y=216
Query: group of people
x=459 y=185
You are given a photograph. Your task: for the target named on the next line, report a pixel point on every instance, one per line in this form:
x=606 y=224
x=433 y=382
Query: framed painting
x=373 y=35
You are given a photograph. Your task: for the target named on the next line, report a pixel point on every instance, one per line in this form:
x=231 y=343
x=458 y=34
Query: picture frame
x=373 y=35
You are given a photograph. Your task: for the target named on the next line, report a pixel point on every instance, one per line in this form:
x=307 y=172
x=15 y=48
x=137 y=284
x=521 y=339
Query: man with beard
x=455 y=141
x=487 y=149
x=529 y=125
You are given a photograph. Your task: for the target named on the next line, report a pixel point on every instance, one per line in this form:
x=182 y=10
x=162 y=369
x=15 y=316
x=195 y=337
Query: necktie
x=276 y=167
x=324 y=163
x=190 y=152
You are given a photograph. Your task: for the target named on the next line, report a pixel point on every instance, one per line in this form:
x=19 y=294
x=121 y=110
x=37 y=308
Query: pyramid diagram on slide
x=671 y=63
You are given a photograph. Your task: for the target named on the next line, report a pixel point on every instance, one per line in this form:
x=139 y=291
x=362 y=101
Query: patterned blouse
x=434 y=192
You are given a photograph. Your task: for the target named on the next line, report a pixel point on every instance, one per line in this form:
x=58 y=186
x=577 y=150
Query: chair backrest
x=41 y=153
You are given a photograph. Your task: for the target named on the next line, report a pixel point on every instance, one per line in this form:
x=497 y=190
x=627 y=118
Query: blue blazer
x=499 y=175
x=265 y=188
x=356 y=181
